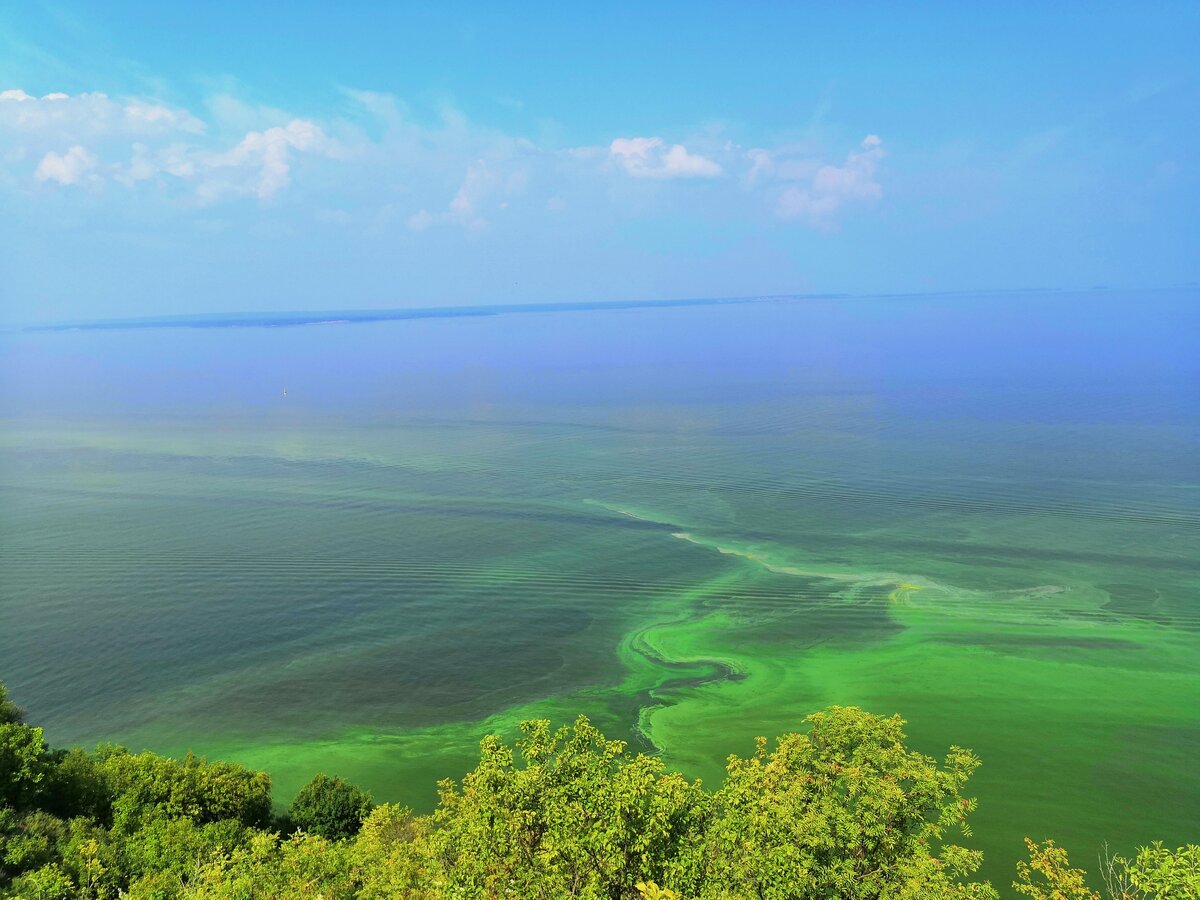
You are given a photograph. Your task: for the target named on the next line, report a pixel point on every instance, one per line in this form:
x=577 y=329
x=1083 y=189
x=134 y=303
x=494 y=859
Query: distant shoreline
x=289 y=319
x=347 y=317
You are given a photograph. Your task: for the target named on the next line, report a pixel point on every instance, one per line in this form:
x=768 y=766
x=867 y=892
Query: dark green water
x=694 y=524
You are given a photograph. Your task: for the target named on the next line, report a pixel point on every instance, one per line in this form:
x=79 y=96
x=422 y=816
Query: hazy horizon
x=250 y=318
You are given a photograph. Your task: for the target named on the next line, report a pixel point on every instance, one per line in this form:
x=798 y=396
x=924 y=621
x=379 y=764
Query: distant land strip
x=355 y=316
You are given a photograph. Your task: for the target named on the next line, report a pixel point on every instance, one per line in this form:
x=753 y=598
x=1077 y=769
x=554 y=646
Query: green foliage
x=42 y=850
x=168 y=851
x=74 y=786
x=568 y=814
x=845 y=810
x=91 y=856
x=49 y=882
x=1155 y=872
x=330 y=807
x=1048 y=875
x=146 y=786
x=31 y=841
x=842 y=810
x=648 y=890
x=305 y=866
x=24 y=765
x=10 y=713
x=91 y=825
x=393 y=857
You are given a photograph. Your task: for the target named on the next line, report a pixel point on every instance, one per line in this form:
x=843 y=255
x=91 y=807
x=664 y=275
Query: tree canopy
x=9 y=712
x=840 y=809
x=330 y=807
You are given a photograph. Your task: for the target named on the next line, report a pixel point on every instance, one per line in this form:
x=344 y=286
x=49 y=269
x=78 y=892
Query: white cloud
x=762 y=166
x=478 y=183
x=384 y=107
x=484 y=184
x=633 y=151
x=644 y=157
x=145 y=163
x=90 y=116
x=66 y=168
x=154 y=116
x=269 y=152
x=678 y=163
x=442 y=166
x=832 y=187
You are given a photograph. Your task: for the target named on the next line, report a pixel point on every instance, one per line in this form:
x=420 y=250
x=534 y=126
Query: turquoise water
x=695 y=524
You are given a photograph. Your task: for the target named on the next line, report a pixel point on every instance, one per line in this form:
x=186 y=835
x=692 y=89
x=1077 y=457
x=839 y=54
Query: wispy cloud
x=423 y=170
x=477 y=184
x=650 y=157
x=267 y=154
x=136 y=140
x=91 y=116
x=817 y=200
x=67 y=168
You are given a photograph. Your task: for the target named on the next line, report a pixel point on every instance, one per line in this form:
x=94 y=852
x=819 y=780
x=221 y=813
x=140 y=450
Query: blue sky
x=160 y=158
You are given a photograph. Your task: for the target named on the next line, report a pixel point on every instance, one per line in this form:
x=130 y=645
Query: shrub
x=330 y=807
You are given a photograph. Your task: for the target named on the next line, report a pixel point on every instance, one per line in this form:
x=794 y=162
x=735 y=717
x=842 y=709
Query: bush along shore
x=842 y=809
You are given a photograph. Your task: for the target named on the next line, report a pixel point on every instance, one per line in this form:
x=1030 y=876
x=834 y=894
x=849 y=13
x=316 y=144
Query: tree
x=10 y=713
x=330 y=807
x=49 y=882
x=304 y=866
x=844 y=810
x=393 y=857
x=75 y=787
x=30 y=841
x=1161 y=873
x=25 y=765
x=146 y=786
x=570 y=813
x=1155 y=872
x=1049 y=876
x=165 y=853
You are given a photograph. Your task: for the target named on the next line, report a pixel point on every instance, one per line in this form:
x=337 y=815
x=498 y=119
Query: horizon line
x=298 y=318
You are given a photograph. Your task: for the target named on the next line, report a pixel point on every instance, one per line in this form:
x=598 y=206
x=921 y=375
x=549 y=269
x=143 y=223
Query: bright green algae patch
x=1072 y=709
